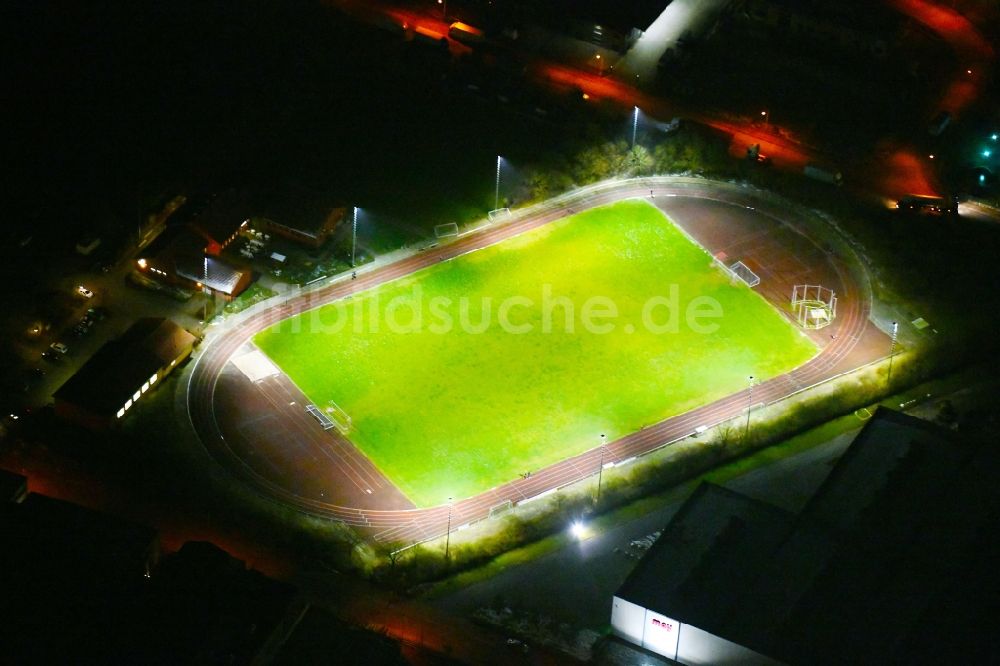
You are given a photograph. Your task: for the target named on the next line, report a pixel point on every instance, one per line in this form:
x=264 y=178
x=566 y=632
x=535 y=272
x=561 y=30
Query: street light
x=746 y=430
x=354 y=235
x=600 y=470
x=447 y=539
x=892 y=351
x=444 y=8
x=635 y=124
x=766 y=115
x=496 y=196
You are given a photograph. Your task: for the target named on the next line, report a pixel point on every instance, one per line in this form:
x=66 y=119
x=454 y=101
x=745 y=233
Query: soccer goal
x=814 y=306
x=445 y=230
x=740 y=271
x=499 y=214
x=502 y=509
x=340 y=418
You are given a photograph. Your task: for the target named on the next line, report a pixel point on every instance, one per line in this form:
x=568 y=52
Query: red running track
x=413 y=525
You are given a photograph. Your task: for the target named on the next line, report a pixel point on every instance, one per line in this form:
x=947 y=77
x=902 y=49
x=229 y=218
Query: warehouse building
x=891 y=561
x=114 y=379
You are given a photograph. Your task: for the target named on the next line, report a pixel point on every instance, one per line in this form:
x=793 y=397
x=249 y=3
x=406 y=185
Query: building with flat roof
x=678 y=601
x=69 y=575
x=13 y=486
x=895 y=546
x=103 y=390
x=204 y=606
x=49 y=541
x=106 y=546
x=300 y=215
x=187 y=251
x=219 y=223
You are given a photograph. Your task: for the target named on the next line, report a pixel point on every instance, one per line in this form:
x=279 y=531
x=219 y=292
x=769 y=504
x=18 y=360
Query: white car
x=83 y=291
x=59 y=347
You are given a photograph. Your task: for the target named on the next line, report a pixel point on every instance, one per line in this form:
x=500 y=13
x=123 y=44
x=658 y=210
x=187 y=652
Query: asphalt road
x=575 y=584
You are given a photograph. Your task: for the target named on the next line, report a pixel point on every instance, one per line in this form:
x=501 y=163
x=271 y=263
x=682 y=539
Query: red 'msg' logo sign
x=663 y=625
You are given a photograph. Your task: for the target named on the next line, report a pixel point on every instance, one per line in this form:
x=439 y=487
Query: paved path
x=575 y=583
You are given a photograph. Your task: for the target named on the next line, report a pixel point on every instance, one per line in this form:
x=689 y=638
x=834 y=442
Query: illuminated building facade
x=113 y=380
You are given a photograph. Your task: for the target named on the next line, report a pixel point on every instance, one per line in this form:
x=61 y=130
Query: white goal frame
x=445 y=230
x=340 y=418
x=741 y=271
x=499 y=214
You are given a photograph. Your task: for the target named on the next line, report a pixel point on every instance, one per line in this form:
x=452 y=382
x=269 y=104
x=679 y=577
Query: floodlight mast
x=600 y=469
x=635 y=124
x=447 y=539
x=892 y=352
x=746 y=430
x=354 y=236
x=496 y=196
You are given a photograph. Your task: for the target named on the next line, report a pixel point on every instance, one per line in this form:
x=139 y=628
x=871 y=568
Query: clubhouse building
x=114 y=379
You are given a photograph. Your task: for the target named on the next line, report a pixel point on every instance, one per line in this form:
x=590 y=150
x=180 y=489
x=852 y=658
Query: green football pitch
x=466 y=374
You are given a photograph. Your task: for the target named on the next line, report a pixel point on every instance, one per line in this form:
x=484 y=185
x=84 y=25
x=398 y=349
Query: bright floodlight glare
x=995 y=136
x=578 y=530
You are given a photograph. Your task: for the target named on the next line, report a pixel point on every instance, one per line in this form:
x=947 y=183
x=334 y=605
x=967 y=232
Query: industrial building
x=114 y=379
x=890 y=561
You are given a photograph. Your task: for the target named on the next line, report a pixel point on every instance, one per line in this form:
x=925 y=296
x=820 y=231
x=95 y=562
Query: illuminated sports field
x=466 y=374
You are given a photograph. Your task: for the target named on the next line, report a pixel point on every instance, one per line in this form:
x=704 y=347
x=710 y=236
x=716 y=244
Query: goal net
x=445 y=230
x=814 y=306
x=499 y=214
x=337 y=417
x=740 y=270
x=502 y=509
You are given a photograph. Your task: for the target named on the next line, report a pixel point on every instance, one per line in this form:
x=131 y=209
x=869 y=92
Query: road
x=896 y=168
x=575 y=583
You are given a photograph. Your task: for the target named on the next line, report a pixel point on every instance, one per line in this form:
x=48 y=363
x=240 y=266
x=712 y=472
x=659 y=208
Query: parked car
x=59 y=347
x=83 y=291
x=97 y=314
x=52 y=356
